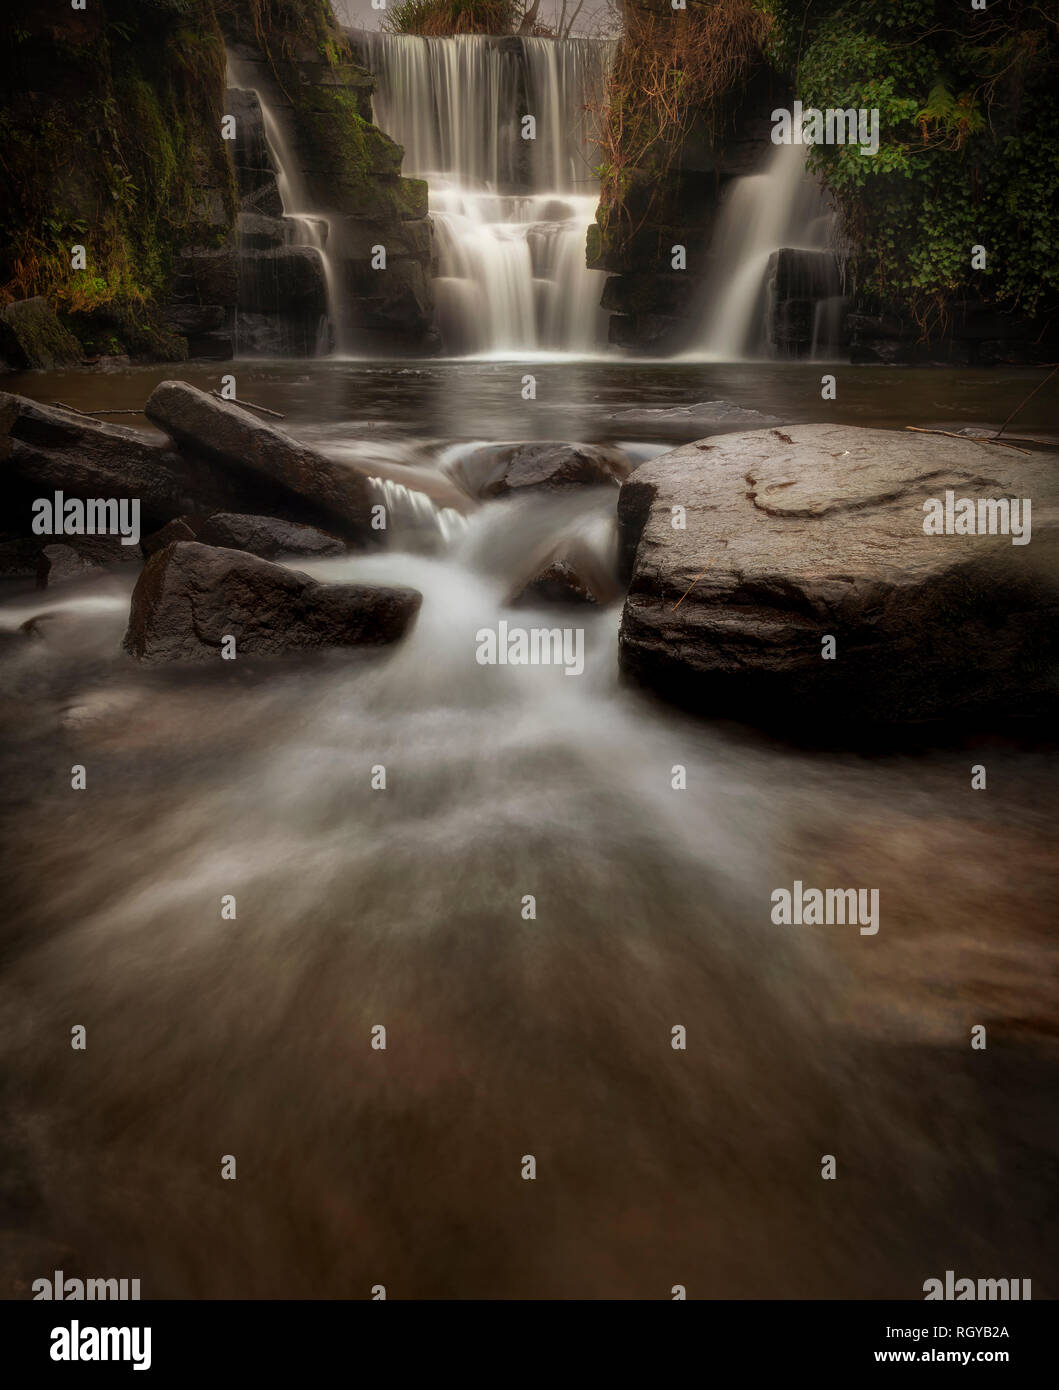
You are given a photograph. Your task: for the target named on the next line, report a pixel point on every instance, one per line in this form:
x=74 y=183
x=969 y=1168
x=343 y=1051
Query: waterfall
x=302 y=228
x=779 y=209
x=510 y=214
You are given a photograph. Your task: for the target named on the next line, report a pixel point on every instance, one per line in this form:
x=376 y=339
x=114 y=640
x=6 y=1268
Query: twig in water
x=972 y=438
x=248 y=405
x=90 y=413
x=1029 y=398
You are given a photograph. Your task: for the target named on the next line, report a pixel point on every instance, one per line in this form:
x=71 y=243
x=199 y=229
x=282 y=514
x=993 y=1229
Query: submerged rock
x=62 y=564
x=81 y=557
x=249 y=451
x=190 y=597
x=558 y=582
x=818 y=532
x=680 y=422
x=546 y=466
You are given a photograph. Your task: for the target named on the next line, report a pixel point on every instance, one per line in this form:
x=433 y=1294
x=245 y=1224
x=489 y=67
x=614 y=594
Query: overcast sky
x=360 y=14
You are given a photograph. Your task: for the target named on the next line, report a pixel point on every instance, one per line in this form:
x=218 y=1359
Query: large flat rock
x=813 y=531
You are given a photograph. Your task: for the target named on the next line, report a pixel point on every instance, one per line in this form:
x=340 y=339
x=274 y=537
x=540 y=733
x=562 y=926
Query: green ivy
x=969 y=142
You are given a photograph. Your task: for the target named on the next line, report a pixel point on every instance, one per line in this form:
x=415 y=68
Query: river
x=403 y=907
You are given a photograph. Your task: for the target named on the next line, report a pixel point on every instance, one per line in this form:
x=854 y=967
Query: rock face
x=51 y=449
x=190 y=597
x=111 y=121
x=548 y=467
x=976 y=334
x=31 y=336
x=796 y=536
x=806 y=307
x=252 y=452
x=655 y=307
x=349 y=172
x=265 y=536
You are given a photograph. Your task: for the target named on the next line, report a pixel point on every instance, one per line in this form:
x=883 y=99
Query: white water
x=506 y=1035
x=511 y=215
x=780 y=207
x=309 y=227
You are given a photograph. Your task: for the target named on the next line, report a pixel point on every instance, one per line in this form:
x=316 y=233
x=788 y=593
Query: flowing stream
x=403 y=907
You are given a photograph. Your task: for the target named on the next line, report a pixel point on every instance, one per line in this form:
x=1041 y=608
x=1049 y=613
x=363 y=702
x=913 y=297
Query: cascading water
x=780 y=208
x=511 y=214
x=304 y=227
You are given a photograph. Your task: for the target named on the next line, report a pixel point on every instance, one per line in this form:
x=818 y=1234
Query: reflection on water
x=338 y=401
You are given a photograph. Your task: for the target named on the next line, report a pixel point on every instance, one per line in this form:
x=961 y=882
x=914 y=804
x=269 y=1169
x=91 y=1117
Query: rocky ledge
x=746 y=553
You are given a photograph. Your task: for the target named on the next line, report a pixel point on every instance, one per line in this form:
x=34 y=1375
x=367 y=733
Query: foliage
x=673 y=70
x=441 y=17
x=105 y=158
x=969 y=131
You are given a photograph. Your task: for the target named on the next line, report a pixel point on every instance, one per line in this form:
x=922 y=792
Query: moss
x=32 y=336
x=110 y=130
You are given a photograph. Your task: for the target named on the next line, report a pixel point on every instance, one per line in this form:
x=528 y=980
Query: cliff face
x=654 y=307
x=111 y=140
x=686 y=111
x=319 y=94
x=109 y=127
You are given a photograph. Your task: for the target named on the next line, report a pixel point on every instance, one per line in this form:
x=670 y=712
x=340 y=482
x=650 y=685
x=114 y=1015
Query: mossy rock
x=32 y=336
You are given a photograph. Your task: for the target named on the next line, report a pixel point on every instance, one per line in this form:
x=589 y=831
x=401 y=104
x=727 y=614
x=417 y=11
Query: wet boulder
x=550 y=467
x=803 y=591
x=179 y=529
x=190 y=597
x=257 y=458
x=62 y=564
x=50 y=449
x=266 y=536
x=557 y=583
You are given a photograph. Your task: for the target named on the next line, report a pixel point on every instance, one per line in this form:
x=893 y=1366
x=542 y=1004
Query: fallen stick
x=972 y=438
x=248 y=405
x=1029 y=398
x=691 y=586
x=90 y=413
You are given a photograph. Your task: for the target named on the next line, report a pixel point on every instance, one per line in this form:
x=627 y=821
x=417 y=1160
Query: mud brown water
x=506 y=1037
